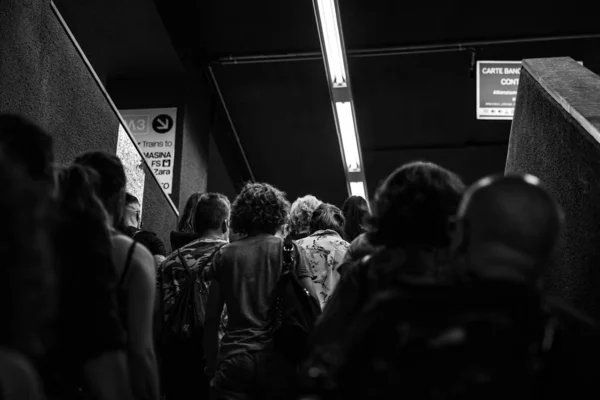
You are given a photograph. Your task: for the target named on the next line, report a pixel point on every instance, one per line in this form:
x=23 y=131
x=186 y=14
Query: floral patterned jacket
x=324 y=250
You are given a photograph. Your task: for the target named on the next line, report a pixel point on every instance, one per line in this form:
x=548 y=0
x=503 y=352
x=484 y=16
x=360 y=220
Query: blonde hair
x=301 y=213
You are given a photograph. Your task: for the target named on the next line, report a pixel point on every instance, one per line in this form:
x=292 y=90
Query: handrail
x=110 y=102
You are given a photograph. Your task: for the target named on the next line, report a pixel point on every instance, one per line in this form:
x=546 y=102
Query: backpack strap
x=182 y=261
x=288 y=256
x=127 y=266
x=287 y=271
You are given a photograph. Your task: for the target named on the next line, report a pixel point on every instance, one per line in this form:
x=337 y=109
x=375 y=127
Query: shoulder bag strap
x=289 y=259
x=127 y=266
x=287 y=268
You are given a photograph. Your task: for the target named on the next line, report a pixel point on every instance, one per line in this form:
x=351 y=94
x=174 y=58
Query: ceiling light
x=331 y=40
x=358 y=189
x=348 y=134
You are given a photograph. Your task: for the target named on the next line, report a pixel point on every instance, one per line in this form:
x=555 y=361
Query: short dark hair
x=413 y=206
x=327 y=216
x=28 y=145
x=211 y=211
x=112 y=180
x=131 y=199
x=259 y=208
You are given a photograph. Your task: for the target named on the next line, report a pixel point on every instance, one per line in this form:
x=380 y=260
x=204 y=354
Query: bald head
x=511 y=218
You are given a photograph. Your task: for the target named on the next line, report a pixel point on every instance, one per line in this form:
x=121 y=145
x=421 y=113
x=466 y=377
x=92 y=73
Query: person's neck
x=109 y=221
x=129 y=224
x=510 y=266
x=212 y=235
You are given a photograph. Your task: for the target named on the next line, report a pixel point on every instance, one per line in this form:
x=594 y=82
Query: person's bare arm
x=140 y=313
x=214 y=309
x=18 y=378
x=108 y=376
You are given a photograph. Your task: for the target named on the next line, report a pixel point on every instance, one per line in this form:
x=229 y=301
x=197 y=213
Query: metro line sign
x=154 y=132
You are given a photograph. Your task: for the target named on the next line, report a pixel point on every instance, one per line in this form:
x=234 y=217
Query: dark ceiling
x=410 y=106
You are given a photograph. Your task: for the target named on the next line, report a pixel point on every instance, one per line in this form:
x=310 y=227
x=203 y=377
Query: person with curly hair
x=244 y=276
x=300 y=215
x=411 y=213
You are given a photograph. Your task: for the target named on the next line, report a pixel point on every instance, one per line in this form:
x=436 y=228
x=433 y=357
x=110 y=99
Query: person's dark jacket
x=148 y=239
x=180 y=239
x=359 y=248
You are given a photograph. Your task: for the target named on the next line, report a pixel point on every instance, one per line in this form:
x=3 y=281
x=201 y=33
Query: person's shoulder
x=570 y=317
x=146 y=235
x=18 y=376
x=140 y=255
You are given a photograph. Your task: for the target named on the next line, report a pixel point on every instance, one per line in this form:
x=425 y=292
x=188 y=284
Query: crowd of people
x=432 y=291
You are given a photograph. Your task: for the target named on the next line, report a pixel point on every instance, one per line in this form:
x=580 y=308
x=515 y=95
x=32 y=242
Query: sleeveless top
x=122 y=289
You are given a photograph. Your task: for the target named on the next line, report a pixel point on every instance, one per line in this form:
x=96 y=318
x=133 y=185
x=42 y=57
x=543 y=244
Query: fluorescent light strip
x=333 y=44
x=358 y=189
x=348 y=133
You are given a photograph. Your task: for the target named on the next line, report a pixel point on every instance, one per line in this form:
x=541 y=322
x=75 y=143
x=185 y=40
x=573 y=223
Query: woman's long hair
x=87 y=273
x=186 y=220
x=355 y=209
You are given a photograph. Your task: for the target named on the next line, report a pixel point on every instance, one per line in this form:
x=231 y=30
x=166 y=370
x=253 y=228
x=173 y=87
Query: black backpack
x=447 y=342
x=295 y=310
x=186 y=319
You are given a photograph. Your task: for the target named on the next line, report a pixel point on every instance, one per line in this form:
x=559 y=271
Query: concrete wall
x=219 y=180
x=194 y=140
x=555 y=136
x=43 y=78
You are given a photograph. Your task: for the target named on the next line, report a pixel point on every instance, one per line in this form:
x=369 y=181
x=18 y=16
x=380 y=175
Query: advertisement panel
x=497 y=83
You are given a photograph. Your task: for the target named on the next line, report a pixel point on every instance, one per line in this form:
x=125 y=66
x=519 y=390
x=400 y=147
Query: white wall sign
x=154 y=132
x=497 y=84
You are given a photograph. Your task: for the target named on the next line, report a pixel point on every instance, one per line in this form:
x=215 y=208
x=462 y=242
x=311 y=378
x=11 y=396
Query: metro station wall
x=43 y=78
x=194 y=139
x=471 y=163
x=219 y=180
x=546 y=141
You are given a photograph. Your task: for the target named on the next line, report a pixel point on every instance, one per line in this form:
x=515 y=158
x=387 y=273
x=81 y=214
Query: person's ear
x=225 y=227
x=457 y=233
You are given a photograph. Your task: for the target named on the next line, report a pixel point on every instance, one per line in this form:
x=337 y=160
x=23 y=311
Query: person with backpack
x=266 y=286
x=183 y=290
x=505 y=238
x=489 y=334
